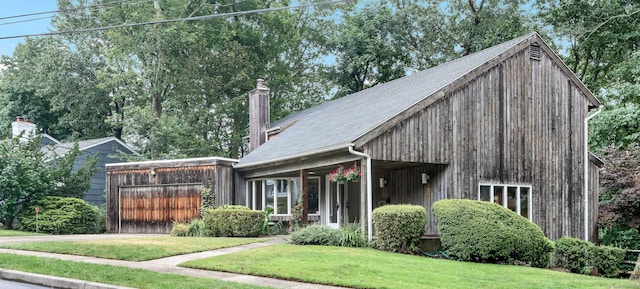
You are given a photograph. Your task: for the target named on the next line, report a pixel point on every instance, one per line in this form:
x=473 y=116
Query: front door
x=334 y=203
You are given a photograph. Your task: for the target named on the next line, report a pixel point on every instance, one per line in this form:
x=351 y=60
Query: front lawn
x=368 y=268
x=123 y=276
x=135 y=249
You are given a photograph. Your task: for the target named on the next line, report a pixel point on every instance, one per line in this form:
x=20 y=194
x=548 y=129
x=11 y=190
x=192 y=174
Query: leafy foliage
x=351 y=236
x=617 y=127
x=235 y=222
x=24 y=177
x=580 y=256
x=607 y=260
x=620 y=187
x=316 y=235
x=399 y=227
x=58 y=215
x=489 y=233
x=574 y=254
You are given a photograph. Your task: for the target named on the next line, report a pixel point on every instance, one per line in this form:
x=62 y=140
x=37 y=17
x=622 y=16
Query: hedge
x=579 y=256
x=58 y=215
x=233 y=221
x=489 y=233
x=399 y=227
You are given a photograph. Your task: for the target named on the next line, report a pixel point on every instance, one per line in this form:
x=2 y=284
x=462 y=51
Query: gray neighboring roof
x=62 y=149
x=340 y=122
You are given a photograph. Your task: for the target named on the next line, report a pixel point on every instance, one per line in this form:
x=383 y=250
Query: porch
x=333 y=204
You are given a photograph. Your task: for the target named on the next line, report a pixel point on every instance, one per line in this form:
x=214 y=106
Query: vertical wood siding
x=520 y=122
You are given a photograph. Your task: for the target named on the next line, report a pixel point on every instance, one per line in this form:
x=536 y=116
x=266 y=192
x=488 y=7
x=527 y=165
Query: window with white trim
x=514 y=197
x=280 y=194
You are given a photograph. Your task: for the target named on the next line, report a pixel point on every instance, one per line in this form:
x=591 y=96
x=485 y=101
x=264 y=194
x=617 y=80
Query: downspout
x=369 y=198
x=586 y=172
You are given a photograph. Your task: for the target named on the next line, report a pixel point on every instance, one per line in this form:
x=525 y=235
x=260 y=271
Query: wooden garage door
x=153 y=209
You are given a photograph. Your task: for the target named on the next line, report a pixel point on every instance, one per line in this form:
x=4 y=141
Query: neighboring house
x=107 y=149
x=507 y=124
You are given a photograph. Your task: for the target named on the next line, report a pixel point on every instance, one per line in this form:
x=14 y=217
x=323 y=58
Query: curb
x=53 y=281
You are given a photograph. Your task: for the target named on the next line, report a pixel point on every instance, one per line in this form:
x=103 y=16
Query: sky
x=19 y=7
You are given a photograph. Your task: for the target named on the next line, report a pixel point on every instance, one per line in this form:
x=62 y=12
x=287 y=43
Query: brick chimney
x=25 y=127
x=258 y=114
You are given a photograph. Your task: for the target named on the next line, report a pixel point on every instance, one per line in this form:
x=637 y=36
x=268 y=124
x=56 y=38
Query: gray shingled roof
x=62 y=149
x=342 y=121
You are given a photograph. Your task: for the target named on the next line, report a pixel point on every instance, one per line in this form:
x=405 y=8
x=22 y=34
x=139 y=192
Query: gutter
x=369 y=197
x=586 y=172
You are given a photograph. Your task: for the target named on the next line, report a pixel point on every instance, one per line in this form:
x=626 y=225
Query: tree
x=56 y=86
x=620 y=187
x=616 y=126
x=384 y=40
x=597 y=36
x=23 y=177
x=179 y=89
x=27 y=174
x=70 y=182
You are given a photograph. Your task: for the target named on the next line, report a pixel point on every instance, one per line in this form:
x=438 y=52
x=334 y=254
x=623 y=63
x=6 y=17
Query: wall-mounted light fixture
x=152 y=172
x=425 y=178
x=382 y=182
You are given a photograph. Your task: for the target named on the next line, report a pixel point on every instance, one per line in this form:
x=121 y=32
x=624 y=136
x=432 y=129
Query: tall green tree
x=382 y=40
x=55 y=85
x=28 y=173
x=600 y=40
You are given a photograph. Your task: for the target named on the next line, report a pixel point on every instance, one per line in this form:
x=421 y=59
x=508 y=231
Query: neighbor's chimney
x=258 y=114
x=23 y=126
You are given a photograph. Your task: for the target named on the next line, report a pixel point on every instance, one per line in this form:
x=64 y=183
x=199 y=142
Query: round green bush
x=485 y=232
x=607 y=259
x=399 y=227
x=58 y=215
x=316 y=235
x=179 y=229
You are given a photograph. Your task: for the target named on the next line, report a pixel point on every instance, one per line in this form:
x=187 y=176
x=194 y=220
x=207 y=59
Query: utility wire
x=69 y=10
x=240 y=13
x=26 y=20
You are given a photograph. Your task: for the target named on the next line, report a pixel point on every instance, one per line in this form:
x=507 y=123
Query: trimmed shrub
x=607 y=260
x=485 y=232
x=58 y=215
x=399 y=227
x=316 y=235
x=233 y=221
x=574 y=254
x=179 y=229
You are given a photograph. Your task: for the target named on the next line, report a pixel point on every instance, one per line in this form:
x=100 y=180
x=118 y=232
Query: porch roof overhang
x=321 y=158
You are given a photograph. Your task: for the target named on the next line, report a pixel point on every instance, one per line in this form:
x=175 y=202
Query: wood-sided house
x=507 y=124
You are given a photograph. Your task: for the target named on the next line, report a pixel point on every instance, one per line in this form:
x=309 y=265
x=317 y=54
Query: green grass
x=123 y=276
x=135 y=249
x=6 y=233
x=368 y=268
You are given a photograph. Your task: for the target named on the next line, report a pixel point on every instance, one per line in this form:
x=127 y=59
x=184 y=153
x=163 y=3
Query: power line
x=69 y=10
x=231 y=14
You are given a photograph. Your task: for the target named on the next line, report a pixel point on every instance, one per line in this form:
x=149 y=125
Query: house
x=107 y=149
x=507 y=125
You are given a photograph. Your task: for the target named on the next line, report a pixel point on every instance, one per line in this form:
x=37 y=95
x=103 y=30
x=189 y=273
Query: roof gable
x=363 y=115
x=61 y=149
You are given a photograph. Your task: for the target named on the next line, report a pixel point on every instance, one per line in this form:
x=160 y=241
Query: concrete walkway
x=165 y=265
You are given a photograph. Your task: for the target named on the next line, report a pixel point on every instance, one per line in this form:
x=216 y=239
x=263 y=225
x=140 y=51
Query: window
x=280 y=194
x=514 y=197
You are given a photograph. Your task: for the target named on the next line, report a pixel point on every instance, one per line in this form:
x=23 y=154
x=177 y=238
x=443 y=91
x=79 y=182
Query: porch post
x=363 y=197
x=304 y=193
